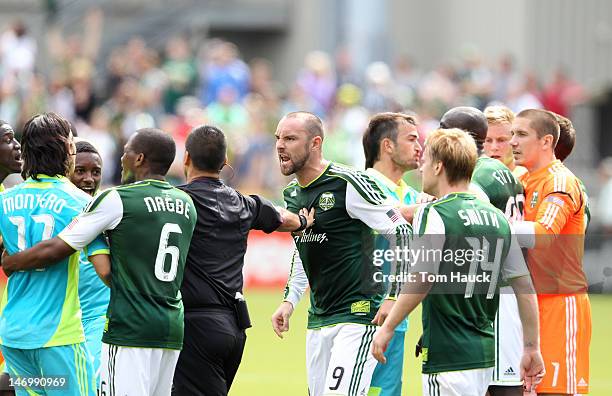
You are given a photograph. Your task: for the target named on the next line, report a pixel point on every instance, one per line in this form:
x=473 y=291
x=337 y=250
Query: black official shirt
x=213 y=272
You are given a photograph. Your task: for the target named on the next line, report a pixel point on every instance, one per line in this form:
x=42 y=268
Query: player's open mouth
x=18 y=159
x=495 y=157
x=283 y=158
x=89 y=190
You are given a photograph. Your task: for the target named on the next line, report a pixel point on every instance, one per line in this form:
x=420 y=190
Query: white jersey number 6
x=163 y=250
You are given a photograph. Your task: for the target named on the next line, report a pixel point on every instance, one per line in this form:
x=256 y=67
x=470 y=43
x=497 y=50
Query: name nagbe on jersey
x=167 y=204
x=30 y=201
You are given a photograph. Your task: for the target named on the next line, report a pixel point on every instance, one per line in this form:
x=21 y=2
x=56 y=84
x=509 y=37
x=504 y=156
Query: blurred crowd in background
x=184 y=85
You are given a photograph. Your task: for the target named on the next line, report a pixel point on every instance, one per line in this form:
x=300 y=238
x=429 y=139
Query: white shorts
x=457 y=383
x=508 y=341
x=339 y=359
x=131 y=371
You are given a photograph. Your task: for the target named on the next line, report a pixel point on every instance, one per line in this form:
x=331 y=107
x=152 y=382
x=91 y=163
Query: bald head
x=469 y=119
x=312 y=123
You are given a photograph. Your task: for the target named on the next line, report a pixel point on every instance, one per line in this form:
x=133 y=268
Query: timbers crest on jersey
x=327 y=201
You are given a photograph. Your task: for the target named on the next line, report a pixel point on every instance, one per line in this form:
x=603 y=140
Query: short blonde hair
x=498 y=115
x=456 y=149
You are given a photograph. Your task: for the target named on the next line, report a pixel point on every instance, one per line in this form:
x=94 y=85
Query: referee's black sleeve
x=265 y=215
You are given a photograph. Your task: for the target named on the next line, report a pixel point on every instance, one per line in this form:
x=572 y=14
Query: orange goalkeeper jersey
x=556 y=203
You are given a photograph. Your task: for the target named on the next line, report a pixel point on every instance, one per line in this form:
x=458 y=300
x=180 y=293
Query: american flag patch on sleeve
x=394 y=215
x=555 y=200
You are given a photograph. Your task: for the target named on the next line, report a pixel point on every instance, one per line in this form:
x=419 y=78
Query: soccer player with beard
x=335 y=256
x=391 y=147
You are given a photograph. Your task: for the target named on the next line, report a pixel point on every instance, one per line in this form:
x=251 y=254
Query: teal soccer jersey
x=94 y=295
x=401 y=194
x=40 y=308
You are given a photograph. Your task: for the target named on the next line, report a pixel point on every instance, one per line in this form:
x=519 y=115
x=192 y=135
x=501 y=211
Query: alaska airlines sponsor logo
x=311 y=237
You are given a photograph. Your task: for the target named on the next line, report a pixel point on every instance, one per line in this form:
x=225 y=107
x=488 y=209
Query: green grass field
x=272 y=366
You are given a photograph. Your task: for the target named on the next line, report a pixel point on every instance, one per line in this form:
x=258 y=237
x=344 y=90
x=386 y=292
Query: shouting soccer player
x=49 y=340
x=458 y=340
x=553 y=231
x=10 y=152
x=149 y=224
x=334 y=255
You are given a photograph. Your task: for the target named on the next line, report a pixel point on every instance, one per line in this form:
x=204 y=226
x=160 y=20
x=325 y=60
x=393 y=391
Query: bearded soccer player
x=94 y=295
x=458 y=340
x=553 y=231
x=48 y=342
x=149 y=225
x=391 y=147
x=335 y=255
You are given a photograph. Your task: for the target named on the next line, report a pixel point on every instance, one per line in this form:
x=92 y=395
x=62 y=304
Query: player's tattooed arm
x=42 y=255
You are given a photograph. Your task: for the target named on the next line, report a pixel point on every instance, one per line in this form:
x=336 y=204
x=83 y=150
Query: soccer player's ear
x=186 y=164
x=387 y=145
x=139 y=159
x=548 y=141
x=438 y=168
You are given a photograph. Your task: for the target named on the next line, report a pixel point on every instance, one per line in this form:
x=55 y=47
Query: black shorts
x=212 y=351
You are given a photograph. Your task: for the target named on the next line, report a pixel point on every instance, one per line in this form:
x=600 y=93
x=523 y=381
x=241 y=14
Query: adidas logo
x=510 y=371
x=582 y=382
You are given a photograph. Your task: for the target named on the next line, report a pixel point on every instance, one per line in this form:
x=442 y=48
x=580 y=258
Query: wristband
x=303 y=223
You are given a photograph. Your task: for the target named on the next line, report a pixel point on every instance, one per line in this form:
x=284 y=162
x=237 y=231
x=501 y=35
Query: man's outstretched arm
x=41 y=255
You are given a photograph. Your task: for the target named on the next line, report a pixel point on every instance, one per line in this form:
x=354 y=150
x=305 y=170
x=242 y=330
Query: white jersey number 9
x=163 y=250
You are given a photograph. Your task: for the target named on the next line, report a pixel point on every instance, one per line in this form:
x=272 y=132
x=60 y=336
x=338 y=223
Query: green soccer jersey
x=336 y=252
x=149 y=226
x=467 y=241
x=495 y=183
